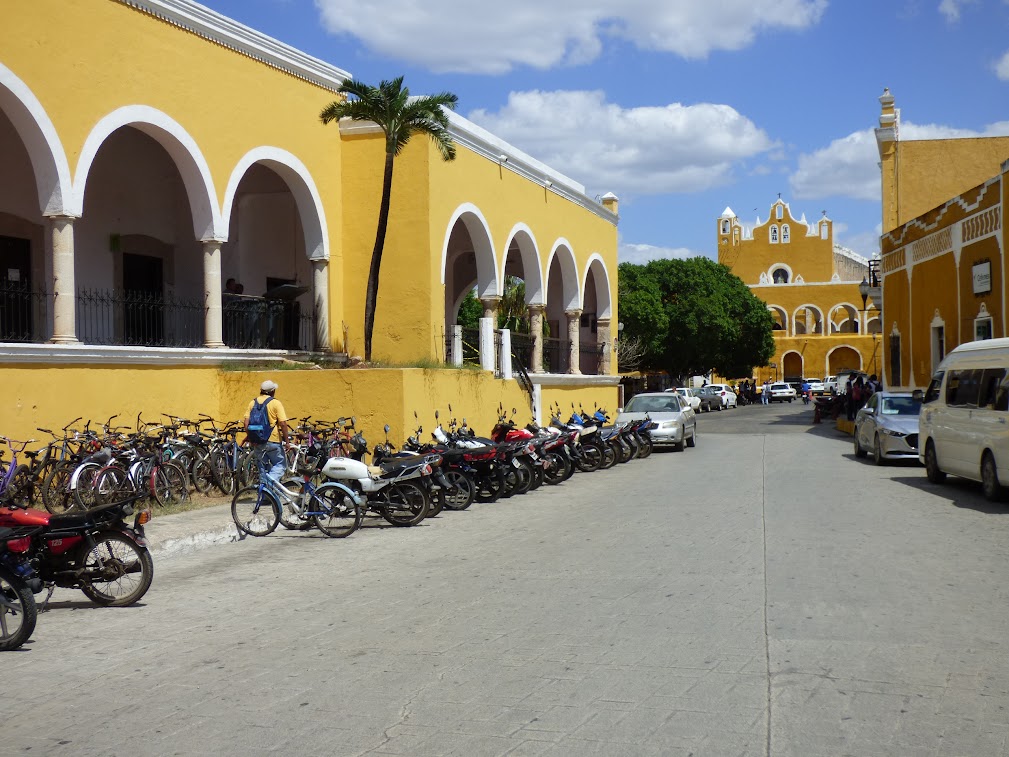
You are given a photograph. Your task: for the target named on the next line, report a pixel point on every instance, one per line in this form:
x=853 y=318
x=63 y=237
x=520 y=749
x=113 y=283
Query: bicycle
x=15 y=479
x=333 y=508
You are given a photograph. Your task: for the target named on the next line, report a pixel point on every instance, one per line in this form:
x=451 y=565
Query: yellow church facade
x=811 y=287
x=942 y=248
x=172 y=204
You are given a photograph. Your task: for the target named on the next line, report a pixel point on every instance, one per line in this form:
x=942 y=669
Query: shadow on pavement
x=959 y=491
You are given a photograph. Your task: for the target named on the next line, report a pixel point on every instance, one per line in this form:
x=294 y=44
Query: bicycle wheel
x=255 y=513
x=112 y=485
x=116 y=571
x=56 y=489
x=224 y=478
x=19 y=488
x=168 y=484
x=340 y=516
x=404 y=504
x=290 y=520
x=202 y=474
x=18 y=612
x=83 y=484
x=248 y=468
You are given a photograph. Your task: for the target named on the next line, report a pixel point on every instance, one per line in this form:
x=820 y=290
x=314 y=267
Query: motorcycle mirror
x=415 y=414
x=514 y=411
x=450 y=407
x=387 y=428
x=436 y=415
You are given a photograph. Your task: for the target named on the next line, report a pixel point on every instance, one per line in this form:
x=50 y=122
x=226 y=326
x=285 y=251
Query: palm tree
x=400 y=116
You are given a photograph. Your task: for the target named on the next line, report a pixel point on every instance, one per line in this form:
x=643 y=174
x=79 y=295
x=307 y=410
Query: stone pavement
x=764 y=593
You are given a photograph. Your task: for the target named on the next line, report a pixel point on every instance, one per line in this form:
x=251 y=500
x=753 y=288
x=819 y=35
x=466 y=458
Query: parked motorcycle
x=18 y=586
x=94 y=551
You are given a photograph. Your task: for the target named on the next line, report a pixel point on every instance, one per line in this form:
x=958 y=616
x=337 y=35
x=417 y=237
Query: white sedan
x=686 y=394
x=780 y=392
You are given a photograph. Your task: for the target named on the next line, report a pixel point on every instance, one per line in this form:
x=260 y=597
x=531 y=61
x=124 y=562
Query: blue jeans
x=273 y=457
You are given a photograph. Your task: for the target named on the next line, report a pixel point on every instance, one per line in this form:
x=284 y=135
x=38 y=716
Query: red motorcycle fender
x=136 y=535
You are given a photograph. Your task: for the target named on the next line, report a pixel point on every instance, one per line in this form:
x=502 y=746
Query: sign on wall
x=982 y=277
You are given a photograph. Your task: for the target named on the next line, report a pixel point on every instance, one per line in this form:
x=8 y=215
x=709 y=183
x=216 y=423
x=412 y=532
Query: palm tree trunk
x=371 y=297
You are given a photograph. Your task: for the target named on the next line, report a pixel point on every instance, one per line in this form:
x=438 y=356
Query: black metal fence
x=522 y=351
x=116 y=317
x=555 y=355
x=24 y=313
x=591 y=357
x=471 y=346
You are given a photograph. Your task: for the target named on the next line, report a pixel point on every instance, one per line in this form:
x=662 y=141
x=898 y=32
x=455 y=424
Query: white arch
x=776 y=266
x=570 y=285
x=302 y=186
x=596 y=264
x=851 y=312
x=38 y=134
x=795 y=318
x=784 y=316
x=532 y=266
x=483 y=248
x=192 y=166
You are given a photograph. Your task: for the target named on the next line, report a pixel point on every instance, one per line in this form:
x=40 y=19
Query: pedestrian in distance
x=267 y=431
x=765 y=393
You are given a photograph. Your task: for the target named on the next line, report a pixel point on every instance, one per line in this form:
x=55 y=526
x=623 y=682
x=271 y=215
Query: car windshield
x=641 y=404
x=900 y=406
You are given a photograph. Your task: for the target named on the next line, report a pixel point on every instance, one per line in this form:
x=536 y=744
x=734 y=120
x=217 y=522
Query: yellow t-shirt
x=275 y=412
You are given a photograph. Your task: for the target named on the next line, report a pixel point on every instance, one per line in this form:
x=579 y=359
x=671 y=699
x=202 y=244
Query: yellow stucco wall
x=927 y=267
x=929 y=172
x=427 y=192
x=374 y=397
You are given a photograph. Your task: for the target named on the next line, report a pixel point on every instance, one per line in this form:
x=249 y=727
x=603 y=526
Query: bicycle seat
x=30 y=455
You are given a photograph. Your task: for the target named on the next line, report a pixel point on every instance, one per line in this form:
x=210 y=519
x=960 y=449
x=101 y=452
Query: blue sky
x=683 y=107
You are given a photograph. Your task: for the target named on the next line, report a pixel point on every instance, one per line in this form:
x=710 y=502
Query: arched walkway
x=807 y=319
x=792 y=366
x=844 y=319
x=563 y=311
x=595 y=342
x=468 y=261
x=780 y=318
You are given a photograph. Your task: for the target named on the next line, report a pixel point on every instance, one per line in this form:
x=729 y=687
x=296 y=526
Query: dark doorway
x=284 y=313
x=143 y=295
x=15 y=290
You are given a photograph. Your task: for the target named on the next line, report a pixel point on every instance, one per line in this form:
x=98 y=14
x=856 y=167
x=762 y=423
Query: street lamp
x=863 y=289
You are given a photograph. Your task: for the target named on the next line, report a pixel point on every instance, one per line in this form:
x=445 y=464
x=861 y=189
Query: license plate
x=516 y=463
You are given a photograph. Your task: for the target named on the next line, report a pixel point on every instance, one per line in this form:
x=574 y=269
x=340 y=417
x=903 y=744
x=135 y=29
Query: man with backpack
x=266 y=429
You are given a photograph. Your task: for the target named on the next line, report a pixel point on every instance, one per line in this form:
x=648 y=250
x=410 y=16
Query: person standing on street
x=765 y=393
x=266 y=429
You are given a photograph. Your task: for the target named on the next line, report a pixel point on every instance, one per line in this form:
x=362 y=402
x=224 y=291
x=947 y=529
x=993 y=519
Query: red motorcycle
x=17 y=603
x=95 y=551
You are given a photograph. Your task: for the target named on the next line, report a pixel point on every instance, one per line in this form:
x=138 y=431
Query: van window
x=962 y=388
x=991 y=379
x=932 y=393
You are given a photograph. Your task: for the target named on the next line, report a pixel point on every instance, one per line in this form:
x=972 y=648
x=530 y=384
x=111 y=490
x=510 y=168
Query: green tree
x=693 y=316
x=470 y=311
x=400 y=116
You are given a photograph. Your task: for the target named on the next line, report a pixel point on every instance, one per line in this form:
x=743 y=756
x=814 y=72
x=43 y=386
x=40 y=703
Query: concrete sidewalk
x=182 y=533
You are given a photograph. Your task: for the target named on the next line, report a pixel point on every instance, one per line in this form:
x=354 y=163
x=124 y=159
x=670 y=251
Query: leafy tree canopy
x=693 y=316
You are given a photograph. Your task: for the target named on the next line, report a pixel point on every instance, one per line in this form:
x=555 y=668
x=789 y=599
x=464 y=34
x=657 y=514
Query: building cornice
x=87 y=354
x=573 y=379
x=210 y=25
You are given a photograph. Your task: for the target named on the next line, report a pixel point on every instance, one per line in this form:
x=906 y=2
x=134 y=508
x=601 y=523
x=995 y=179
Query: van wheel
x=993 y=490
x=932 y=471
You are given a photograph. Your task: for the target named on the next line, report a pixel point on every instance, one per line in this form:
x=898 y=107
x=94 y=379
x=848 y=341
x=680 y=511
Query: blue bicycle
x=334 y=508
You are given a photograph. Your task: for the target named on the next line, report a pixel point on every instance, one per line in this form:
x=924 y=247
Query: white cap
x=268 y=386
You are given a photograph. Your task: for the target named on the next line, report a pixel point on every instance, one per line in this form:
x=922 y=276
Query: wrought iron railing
x=875 y=268
x=471 y=345
x=257 y=323
x=555 y=355
x=24 y=313
x=141 y=319
x=522 y=351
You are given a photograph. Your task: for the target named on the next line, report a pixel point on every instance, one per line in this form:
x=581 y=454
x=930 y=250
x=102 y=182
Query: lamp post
x=863 y=289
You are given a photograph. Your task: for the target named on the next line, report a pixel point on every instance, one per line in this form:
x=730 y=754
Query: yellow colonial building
x=811 y=286
x=171 y=204
x=943 y=245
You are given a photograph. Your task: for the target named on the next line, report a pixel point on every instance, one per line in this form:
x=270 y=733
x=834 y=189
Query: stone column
x=506 y=354
x=603 y=336
x=574 y=340
x=64 y=291
x=320 y=298
x=488 y=360
x=213 y=335
x=536 y=330
x=456 y=356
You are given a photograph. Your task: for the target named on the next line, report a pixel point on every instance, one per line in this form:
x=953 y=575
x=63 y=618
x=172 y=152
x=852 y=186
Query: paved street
x=764 y=593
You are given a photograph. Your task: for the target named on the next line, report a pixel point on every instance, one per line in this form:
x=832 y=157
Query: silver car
x=673 y=420
x=888 y=427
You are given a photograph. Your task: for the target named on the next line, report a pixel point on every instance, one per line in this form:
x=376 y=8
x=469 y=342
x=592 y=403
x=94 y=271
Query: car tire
x=692 y=441
x=993 y=490
x=877 y=451
x=859 y=452
x=932 y=470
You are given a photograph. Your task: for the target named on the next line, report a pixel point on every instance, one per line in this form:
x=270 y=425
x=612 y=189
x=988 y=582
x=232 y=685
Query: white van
x=964 y=421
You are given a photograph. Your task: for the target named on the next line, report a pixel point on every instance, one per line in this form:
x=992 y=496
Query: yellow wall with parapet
x=374 y=396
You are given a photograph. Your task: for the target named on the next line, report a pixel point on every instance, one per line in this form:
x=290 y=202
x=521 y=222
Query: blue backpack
x=259 y=423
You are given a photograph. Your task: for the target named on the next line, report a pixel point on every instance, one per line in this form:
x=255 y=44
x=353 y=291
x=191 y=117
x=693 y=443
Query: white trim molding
x=602 y=299
x=215 y=27
x=120 y=355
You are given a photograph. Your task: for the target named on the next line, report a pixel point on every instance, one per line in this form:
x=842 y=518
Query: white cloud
x=1002 y=67
x=640 y=254
x=865 y=243
x=646 y=150
x=848 y=167
x=492 y=38
x=951 y=9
